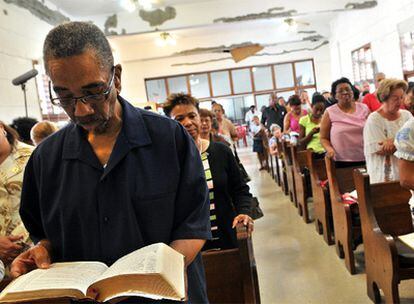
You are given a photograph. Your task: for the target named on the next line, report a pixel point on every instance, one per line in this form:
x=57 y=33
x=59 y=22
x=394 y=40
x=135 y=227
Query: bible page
x=140 y=261
x=70 y=275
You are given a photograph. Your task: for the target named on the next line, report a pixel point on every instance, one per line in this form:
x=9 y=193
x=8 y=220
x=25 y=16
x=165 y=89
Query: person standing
x=380 y=130
x=248 y=118
x=273 y=114
x=371 y=99
x=117 y=178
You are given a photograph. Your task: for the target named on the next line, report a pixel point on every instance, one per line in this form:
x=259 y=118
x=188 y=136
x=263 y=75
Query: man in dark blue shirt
x=117 y=178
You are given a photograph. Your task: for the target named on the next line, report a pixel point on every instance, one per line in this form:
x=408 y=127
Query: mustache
x=87 y=120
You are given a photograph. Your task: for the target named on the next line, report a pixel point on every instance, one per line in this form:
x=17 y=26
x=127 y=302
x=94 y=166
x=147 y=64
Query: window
x=232 y=86
x=242 y=82
x=156 y=90
x=284 y=76
x=407 y=52
x=199 y=85
x=220 y=82
x=363 y=65
x=177 y=85
x=263 y=79
x=304 y=73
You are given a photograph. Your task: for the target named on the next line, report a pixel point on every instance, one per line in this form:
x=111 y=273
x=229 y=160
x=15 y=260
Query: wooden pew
x=282 y=169
x=346 y=229
x=232 y=274
x=385 y=214
x=271 y=165
x=287 y=158
x=299 y=163
x=321 y=198
x=277 y=169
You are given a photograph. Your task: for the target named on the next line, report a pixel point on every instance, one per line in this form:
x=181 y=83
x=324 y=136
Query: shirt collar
x=134 y=132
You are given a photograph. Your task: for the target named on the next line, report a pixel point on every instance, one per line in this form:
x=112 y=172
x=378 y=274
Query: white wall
x=21 y=36
x=378 y=26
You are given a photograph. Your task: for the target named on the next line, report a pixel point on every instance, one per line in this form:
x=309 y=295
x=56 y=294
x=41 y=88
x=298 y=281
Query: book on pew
x=155 y=271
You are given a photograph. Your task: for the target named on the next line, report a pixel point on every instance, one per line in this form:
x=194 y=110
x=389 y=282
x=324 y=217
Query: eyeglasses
x=90 y=99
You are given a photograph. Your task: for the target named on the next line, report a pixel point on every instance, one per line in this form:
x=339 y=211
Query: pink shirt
x=294 y=123
x=347 y=132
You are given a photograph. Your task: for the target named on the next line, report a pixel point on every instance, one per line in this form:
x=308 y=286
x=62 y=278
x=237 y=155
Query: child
x=258 y=133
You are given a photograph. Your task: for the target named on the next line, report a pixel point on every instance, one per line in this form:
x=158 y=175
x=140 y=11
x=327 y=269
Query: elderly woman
x=276 y=132
x=291 y=122
x=342 y=126
x=230 y=199
x=309 y=136
x=13 y=158
x=404 y=144
x=226 y=127
x=41 y=130
x=381 y=128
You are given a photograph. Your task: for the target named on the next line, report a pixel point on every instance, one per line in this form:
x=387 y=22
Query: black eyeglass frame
x=57 y=101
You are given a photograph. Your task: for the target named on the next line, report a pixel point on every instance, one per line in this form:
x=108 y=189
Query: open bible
x=155 y=271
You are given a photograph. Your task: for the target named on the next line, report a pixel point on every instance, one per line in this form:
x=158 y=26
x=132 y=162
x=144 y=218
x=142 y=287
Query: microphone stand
x=23 y=85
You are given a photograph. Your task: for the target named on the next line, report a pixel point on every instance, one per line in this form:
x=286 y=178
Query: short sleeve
x=373 y=133
x=404 y=141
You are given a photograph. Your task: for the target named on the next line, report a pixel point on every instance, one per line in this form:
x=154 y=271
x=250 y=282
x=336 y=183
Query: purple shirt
x=347 y=132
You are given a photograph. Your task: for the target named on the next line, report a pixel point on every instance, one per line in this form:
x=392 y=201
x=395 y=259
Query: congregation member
x=273 y=114
x=117 y=178
x=404 y=144
x=23 y=125
x=13 y=158
x=309 y=136
x=230 y=199
x=258 y=133
x=409 y=98
x=281 y=101
x=304 y=98
x=291 y=122
x=276 y=132
x=342 y=125
x=226 y=127
x=381 y=128
x=42 y=130
x=371 y=99
x=365 y=88
x=248 y=118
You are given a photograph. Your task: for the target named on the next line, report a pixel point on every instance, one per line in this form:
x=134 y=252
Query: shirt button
x=106 y=219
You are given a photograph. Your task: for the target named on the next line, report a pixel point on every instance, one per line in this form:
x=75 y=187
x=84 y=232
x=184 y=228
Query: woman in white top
x=404 y=142
x=381 y=128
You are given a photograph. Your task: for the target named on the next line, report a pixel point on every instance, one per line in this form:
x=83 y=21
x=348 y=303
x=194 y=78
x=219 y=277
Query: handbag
x=256 y=210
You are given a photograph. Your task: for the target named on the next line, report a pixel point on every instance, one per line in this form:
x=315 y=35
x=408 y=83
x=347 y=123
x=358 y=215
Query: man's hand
x=246 y=220
x=315 y=130
x=35 y=257
x=9 y=249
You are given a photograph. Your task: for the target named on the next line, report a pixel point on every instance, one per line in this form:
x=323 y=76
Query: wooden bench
x=346 y=229
x=287 y=158
x=299 y=163
x=385 y=214
x=321 y=198
x=270 y=161
x=231 y=274
x=282 y=169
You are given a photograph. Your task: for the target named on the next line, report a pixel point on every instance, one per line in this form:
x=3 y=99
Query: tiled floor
x=294 y=263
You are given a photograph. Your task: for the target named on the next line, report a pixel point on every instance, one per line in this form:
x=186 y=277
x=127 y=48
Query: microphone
x=24 y=77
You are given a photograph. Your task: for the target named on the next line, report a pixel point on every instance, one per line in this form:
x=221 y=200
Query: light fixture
x=128 y=5
x=165 y=39
x=292 y=25
x=146 y=4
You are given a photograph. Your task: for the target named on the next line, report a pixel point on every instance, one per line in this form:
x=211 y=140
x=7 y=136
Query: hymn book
x=155 y=271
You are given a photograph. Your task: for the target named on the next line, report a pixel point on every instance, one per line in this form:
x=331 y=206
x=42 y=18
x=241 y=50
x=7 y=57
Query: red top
x=372 y=102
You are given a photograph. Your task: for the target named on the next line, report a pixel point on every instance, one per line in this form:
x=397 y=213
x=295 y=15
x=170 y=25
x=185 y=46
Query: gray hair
x=74 y=38
x=274 y=126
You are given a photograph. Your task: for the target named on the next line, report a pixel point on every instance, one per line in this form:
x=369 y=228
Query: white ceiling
x=77 y=8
